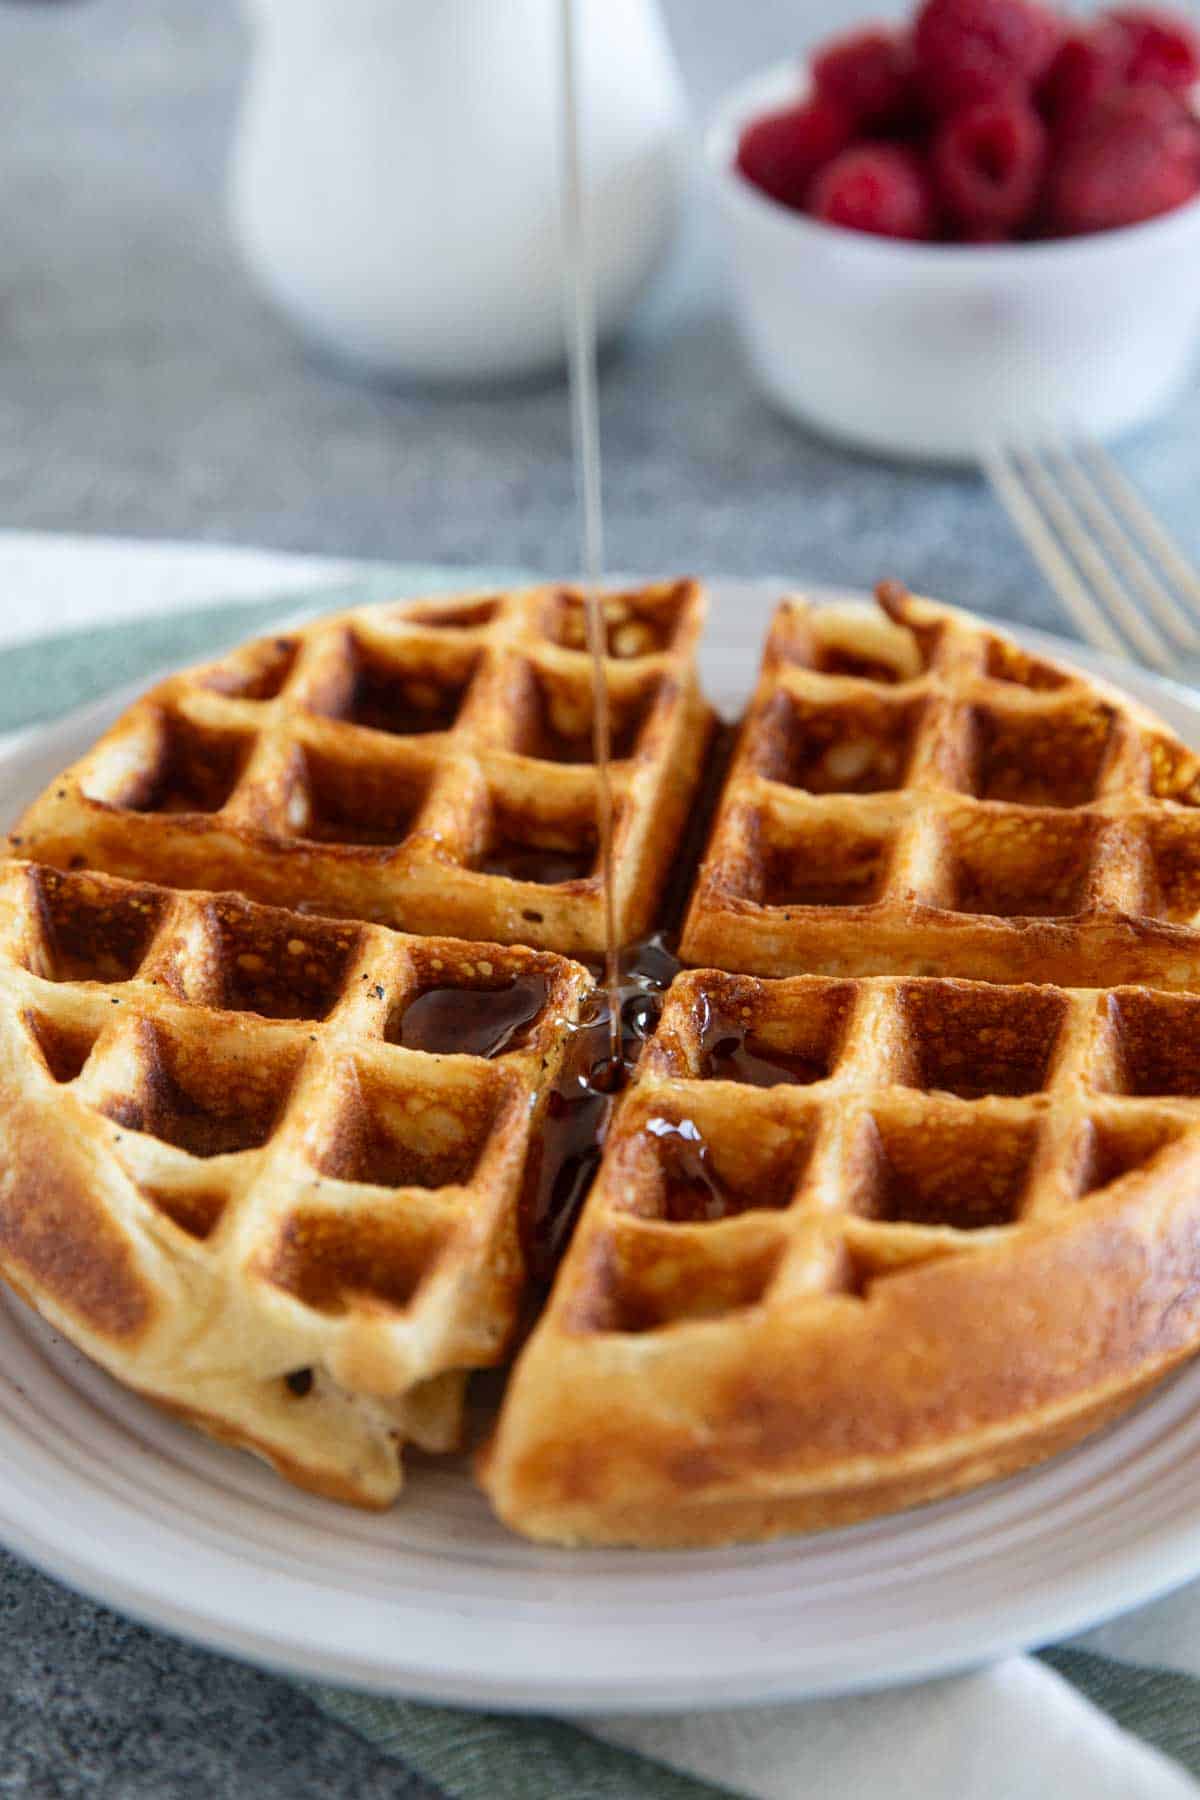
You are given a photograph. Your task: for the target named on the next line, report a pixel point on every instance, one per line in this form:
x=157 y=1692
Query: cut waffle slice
x=855 y=1245
x=267 y=1169
x=424 y=765
x=914 y=794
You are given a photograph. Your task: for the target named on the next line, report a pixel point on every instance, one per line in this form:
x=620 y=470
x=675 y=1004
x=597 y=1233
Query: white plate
x=437 y=1600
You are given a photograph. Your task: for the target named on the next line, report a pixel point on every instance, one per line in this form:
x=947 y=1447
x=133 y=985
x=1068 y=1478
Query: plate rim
x=1140 y=1572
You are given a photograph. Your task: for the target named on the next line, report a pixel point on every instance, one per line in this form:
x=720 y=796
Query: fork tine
x=1121 y=547
x=1125 y=500
x=1102 y=577
x=1060 y=572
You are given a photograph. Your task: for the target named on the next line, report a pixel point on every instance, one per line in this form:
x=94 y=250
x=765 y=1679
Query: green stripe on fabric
x=45 y=677
x=50 y=676
x=492 y=1756
x=1159 y=1706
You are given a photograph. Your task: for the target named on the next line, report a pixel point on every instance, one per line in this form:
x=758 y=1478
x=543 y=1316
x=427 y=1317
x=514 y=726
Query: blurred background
x=146 y=388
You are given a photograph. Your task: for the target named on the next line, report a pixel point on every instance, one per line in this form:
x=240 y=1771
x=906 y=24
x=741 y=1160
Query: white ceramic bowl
x=928 y=350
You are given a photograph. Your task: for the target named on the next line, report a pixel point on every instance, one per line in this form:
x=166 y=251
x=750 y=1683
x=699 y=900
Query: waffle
x=426 y=765
x=916 y=1215
x=242 y=1173
x=913 y=794
x=958 y=1232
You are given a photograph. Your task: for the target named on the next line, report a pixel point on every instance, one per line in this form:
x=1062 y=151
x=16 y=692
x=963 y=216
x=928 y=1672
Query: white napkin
x=1016 y=1731
x=52 y=582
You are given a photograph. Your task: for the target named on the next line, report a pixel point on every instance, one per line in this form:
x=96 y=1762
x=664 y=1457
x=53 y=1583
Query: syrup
x=585 y=431
x=449 y=1021
x=693 y=1193
x=735 y=1053
x=580 y=1105
x=602 y=753
x=563 y=1167
x=609 y=1038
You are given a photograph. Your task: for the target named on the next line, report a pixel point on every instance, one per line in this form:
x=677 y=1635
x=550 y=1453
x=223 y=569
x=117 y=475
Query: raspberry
x=1088 y=64
x=870 y=74
x=970 y=50
x=987 y=164
x=880 y=188
x=781 y=152
x=1135 y=154
x=1161 y=48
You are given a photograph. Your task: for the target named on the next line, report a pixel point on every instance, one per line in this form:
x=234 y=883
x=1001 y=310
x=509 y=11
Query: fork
x=1122 y=577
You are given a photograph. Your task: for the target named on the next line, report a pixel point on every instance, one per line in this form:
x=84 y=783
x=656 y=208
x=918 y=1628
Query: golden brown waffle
x=854 y=1243
x=912 y=793
x=239 y=1172
x=960 y=1232
x=425 y=765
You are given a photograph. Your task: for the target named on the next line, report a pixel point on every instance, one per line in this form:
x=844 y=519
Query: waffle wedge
x=856 y=1244
x=913 y=794
x=426 y=766
x=266 y=1168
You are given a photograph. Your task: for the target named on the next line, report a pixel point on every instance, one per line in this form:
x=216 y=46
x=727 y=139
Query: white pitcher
x=395 y=182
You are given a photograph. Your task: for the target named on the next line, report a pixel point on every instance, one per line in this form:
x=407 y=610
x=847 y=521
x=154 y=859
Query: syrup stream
x=581 y=1102
x=585 y=431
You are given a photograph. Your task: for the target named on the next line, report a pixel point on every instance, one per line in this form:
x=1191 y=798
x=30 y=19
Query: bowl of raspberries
x=984 y=224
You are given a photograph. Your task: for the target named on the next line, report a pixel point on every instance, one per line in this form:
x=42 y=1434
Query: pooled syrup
x=737 y=1055
x=693 y=1193
x=580 y=1104
x=463 y=1021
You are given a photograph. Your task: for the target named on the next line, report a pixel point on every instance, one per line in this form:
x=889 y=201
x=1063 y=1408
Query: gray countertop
x=145 y=389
